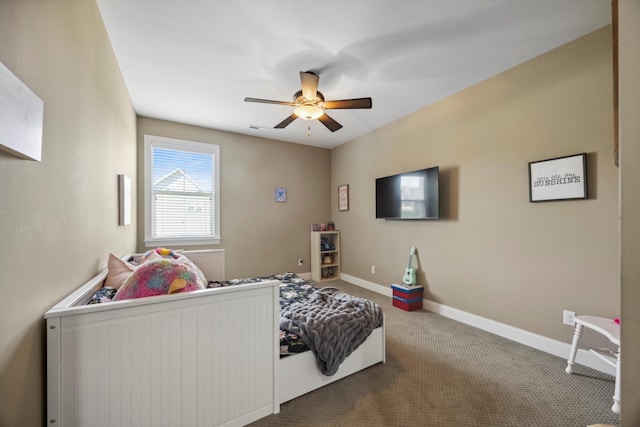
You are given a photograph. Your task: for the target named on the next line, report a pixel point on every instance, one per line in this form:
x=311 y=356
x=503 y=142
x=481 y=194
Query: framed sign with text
x=562 y=178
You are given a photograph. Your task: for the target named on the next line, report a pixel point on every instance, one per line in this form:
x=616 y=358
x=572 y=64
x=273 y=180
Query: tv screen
x=410 y=195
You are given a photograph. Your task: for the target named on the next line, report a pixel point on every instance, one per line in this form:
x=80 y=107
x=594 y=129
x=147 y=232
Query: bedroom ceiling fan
x=310 y=104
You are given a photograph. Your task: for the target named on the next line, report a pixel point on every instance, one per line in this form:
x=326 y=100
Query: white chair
x=610 y=329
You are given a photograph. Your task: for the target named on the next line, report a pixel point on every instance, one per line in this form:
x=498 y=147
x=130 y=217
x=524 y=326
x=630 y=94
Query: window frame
x=151 y=141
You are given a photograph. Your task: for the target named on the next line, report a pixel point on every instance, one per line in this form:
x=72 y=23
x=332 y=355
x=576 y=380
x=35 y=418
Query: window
x=412 y=191
x=181 y=191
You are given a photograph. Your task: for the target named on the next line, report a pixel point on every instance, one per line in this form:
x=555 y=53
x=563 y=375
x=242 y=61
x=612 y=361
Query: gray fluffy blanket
x=333 y=324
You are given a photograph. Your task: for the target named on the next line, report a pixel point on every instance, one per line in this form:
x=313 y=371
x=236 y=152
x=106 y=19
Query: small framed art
x=562 y=178
x=343 y=197
x=281 y=194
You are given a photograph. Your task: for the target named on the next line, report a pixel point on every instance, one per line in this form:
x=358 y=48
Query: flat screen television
x=409 y=195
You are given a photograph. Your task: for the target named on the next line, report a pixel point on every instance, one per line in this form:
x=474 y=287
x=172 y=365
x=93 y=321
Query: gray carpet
x=440 y=372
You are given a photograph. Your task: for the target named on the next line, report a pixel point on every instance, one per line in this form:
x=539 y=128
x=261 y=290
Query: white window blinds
x=182 y=190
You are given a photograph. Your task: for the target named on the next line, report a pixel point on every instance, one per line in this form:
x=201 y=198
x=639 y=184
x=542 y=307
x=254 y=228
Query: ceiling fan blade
x=286 y=122
x=348 y=103
x=331 y=124
x=309 y=82
x=269 y=101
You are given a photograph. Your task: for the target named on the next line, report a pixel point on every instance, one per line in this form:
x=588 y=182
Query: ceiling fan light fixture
x=308 y=112
x=309 y=104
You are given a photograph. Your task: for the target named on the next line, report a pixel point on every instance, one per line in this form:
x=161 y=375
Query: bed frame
x=175 y=359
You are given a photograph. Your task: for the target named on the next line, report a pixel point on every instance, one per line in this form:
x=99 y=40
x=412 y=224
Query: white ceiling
x=195 y=61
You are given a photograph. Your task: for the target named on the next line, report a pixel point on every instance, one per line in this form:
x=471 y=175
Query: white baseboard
x=539 y=342
x=384 y=290
x=305 y=276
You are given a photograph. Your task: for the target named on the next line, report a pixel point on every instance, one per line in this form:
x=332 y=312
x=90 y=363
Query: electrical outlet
x=569 y=317
x=373 y=269
x=300 y=261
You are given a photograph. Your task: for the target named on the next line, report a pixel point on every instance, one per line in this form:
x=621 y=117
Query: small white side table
x=609 y=329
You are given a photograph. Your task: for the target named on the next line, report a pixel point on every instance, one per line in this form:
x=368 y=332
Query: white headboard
x=210 y=261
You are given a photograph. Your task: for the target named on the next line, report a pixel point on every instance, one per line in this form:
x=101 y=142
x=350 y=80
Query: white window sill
x=193 y=241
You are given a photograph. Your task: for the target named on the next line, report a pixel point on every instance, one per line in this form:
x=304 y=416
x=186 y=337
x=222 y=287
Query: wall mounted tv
x=410 y=195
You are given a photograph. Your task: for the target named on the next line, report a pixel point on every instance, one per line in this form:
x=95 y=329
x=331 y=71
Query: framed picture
x=281 y=194
x=124 y=200
x=343 y=197
x=562 y=178
x=21 y=117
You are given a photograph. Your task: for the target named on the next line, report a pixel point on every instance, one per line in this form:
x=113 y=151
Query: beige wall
x=629 y=72
x=493 y=253
x=505 y=258
x=58 y=217
x=260 y=236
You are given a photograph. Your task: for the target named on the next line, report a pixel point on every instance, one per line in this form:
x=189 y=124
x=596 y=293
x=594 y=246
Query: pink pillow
x=119 y=271
x=159 y=253
x=159 y=277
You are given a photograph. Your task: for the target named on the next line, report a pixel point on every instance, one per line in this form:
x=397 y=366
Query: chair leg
x=616 y=395
x=574 y=348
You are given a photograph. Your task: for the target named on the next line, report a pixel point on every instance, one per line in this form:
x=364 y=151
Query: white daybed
x=176 y=360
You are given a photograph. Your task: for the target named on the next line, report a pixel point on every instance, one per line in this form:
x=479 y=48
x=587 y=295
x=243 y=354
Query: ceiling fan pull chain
x=309 y=130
